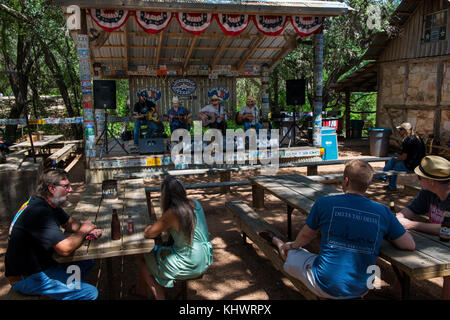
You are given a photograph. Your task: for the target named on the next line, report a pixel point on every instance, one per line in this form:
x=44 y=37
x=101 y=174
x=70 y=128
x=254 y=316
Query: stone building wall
x=414 y=85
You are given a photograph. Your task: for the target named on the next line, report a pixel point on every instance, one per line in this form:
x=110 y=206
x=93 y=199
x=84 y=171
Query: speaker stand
x=105 y=138
x=292 y=128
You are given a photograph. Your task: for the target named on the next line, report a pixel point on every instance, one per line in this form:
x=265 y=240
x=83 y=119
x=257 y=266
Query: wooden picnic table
x=430 y=259
x=39 y=144
x=132 y=203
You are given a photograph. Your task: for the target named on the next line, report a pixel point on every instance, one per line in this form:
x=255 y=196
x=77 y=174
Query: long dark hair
x=173 y=195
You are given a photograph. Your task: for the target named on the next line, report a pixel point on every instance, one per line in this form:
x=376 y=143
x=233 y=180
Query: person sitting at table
x=213 y=115
x=433 y=200
x=249 y=115
x=4 y=145
x=413 y=150
x=352 y=228
x=35 y=235
x=179 y=117
x=190 y=254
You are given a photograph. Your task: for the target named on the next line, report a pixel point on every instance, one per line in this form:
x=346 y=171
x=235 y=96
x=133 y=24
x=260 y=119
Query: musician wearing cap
x=213 y=115
x=141 y=112
x=179 y=117
x=249 y=115
x=413 y=150
x=433 y=200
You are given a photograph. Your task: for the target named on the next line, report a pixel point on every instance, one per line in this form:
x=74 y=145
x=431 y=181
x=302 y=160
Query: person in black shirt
x=35 y=235
x=413 y=150
x=141 y=112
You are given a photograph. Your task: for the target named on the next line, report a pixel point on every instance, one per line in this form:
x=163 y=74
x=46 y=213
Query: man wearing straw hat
x=433 y=200
x=218 y=111
x=413 y=150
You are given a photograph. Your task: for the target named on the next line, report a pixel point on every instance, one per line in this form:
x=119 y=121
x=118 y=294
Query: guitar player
x=179 y=117
x=213 y=115
x=141 y=111
x=249 y=115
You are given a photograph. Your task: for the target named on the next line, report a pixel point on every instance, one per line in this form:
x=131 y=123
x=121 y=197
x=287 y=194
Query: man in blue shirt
x=352 y=228
x=179 y=117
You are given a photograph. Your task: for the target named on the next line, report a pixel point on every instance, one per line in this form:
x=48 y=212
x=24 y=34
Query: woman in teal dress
x=190 y=254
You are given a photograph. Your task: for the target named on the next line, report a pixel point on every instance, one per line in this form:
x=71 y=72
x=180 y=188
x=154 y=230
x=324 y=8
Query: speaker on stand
x=105 y=98
x=295 y=96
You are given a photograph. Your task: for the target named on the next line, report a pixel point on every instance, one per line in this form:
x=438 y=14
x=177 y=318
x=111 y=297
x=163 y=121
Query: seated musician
x=213 y=115
x=249 y=115
x=145 y=112
x=179 y=117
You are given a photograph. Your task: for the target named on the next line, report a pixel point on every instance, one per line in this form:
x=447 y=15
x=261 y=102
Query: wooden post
x=225 y=176
x=311 y=170
x=258 y=196
x=318 y=80
x=347 y=114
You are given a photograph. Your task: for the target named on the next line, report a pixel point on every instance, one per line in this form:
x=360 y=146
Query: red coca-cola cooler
x=336 y=123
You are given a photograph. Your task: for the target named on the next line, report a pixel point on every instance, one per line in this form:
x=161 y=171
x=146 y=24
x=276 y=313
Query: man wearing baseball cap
x=413 y=150
x=433 y=200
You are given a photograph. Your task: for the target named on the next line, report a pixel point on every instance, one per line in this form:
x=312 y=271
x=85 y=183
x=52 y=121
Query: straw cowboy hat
x=434 y=167
x=175 y=99
x=405 y=125
x=215 y=97
x=252 y=99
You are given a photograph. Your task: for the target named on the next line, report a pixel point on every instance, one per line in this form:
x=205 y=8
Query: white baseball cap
x=175 y=99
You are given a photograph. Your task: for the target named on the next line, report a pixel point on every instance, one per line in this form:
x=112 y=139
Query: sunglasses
x=65 y=186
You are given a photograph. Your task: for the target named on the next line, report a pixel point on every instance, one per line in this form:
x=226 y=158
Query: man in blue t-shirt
x=352 y=228
x=179 y=117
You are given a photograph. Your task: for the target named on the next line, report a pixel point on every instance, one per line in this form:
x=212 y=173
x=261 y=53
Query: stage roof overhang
x=130 y=50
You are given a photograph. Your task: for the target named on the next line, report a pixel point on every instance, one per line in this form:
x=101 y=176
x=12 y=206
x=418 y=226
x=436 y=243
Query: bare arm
x=168 y=220
x=405 y=242
x=304 y=237
x=70 y=244
x=408 y=219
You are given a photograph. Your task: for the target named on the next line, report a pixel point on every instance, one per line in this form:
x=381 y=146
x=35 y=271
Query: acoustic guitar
x=208 y=118
x=153 y=116
x=240 y=118
x=182 y=118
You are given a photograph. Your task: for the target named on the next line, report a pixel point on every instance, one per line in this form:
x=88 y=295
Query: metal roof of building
x=131 y=49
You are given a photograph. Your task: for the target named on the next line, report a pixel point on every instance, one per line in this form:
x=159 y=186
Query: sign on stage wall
x=151 y=93
x=183 y=87
x=221 y=92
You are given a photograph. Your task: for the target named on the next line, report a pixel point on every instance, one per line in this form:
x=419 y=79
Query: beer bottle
x=130 y=225
x=444 y=235
x=392 y=207
x=115 y=226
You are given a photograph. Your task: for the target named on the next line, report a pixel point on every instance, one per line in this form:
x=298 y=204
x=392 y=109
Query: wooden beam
x=252 y=50
x=183 y=47
x=291 y=44
x=220 y=52
x=158 y=50
x=189 y=53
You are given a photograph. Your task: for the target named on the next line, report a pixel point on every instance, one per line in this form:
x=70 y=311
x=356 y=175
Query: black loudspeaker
x=151 y=145
x=104 y=94
x=295 y=92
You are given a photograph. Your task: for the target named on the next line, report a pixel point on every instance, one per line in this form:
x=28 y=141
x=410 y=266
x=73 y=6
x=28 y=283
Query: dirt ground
x=240 y=272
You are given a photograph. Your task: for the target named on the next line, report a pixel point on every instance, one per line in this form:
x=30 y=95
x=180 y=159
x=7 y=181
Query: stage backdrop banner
x=306 y=26
x=153 y=22
x=109 y=19
x=233 y=24
x=194 y=23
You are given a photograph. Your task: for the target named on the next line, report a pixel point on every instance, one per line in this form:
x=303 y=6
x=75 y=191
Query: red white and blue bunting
x=194 y=23
x=197 y=23
x=233 y=24
x=109 y=19
x=153 y=22
x=306 y=26
x=270 y=25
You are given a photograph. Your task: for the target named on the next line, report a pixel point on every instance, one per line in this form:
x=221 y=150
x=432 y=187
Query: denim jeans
x=397 y=166
x=174 y=125
x=257 y=126
x=53 y=283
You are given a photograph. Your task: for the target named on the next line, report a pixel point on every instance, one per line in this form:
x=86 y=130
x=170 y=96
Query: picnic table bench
x=39 y=145
x=430 y=259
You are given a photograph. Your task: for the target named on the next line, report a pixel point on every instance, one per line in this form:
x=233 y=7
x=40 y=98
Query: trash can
x=379 y=141
x=329 y=143
x=356 y=127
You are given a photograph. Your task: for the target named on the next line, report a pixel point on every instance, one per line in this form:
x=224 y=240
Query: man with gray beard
x=35 y=235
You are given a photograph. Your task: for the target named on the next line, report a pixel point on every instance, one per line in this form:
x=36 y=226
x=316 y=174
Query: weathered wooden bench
x=208 y=185
x=63 y=153
x=250 y=223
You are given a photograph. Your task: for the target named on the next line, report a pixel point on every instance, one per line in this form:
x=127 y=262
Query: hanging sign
x=153 y=22
x=233 y=24
x=109 y=19
x=306 y=26
x=270 y=25
x=194 y=23
x=221 y=92
x=150 y=93
x=183 y=87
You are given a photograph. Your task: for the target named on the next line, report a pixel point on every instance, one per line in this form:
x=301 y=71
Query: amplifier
x=151 y=145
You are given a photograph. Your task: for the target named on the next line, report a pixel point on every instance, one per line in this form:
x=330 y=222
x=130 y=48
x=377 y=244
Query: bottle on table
x=444 y=235
x=115 y=226
x=392 y=207
x=130 y=225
